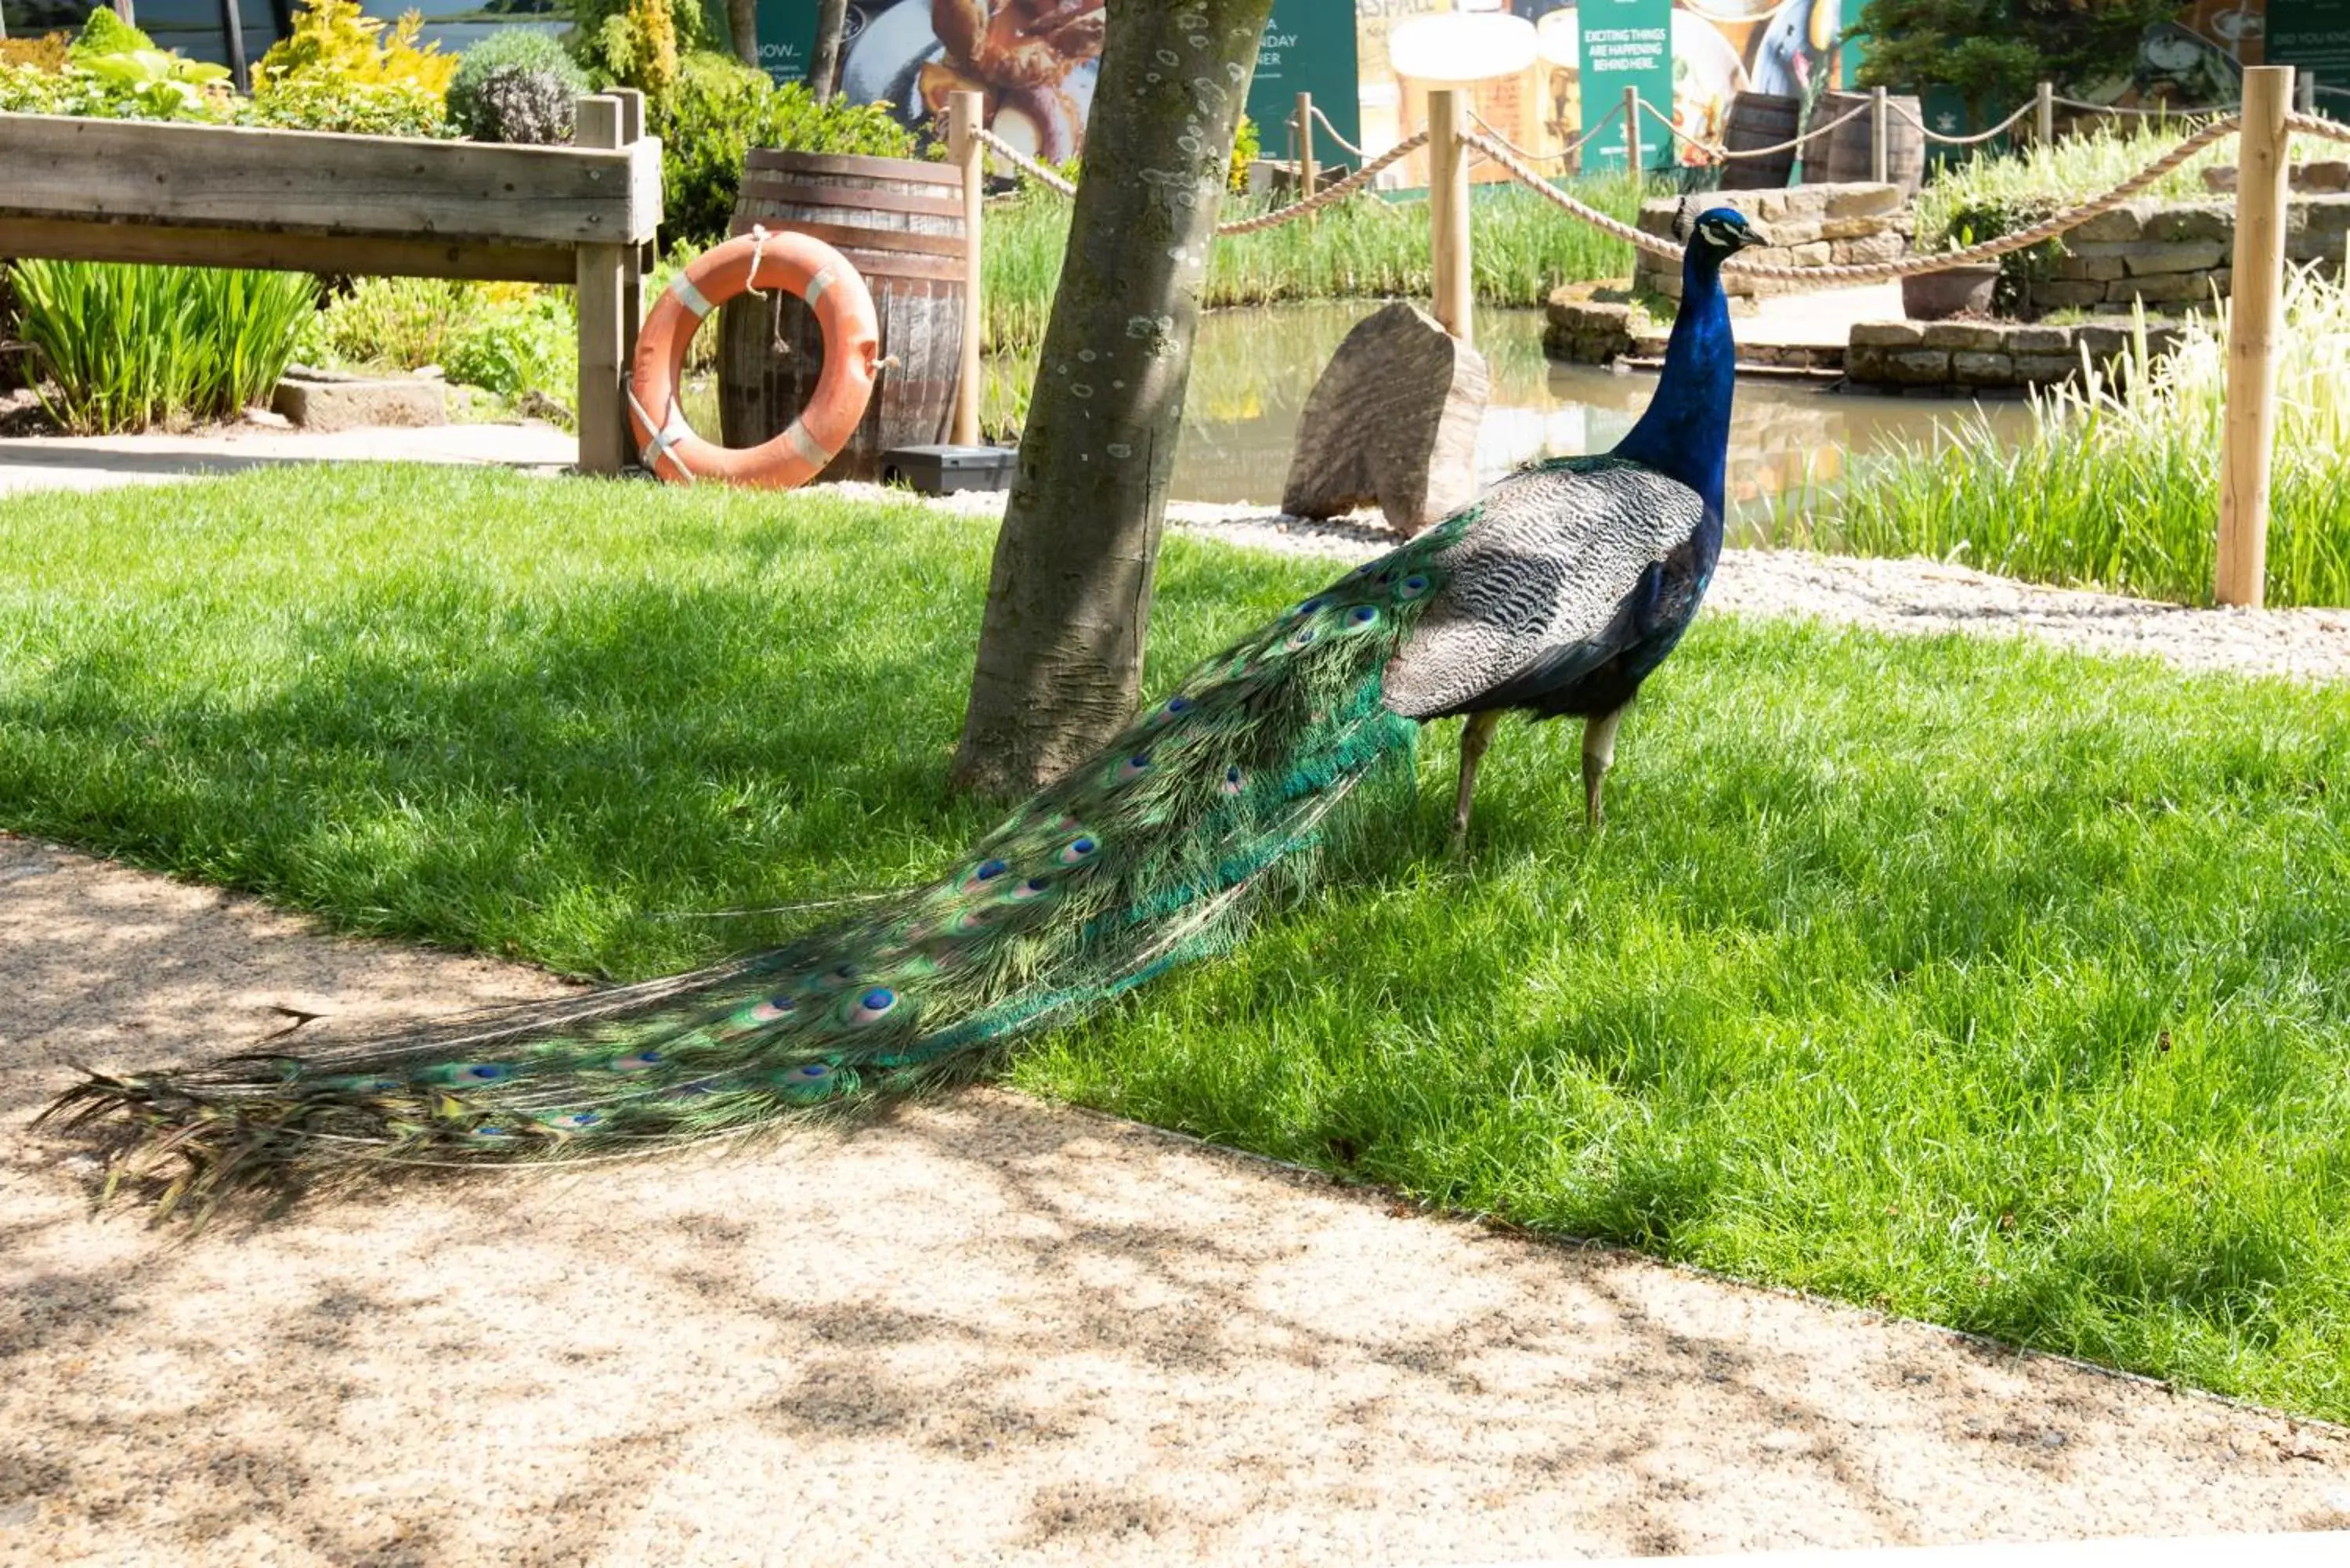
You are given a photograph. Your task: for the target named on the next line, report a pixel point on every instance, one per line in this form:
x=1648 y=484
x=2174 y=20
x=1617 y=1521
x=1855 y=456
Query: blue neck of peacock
x=1685 y=434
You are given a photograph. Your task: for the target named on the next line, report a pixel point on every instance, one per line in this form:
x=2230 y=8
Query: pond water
x=1252 y=369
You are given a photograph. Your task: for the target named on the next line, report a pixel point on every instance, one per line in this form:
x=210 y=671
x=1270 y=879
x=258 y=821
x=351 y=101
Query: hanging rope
x=1333 y=131
x=2161 y=111
x=1043 y=173
x=1344 y=188
x=1981 y=136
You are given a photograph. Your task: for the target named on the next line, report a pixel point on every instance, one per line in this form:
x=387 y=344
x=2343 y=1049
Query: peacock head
x=1716 y=234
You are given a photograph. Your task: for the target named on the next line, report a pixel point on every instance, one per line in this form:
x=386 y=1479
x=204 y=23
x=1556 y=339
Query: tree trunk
x=742 y=28
x=1060 y=651
x=824 y=64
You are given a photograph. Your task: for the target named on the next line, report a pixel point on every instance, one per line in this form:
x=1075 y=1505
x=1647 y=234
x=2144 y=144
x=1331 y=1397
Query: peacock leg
x=1476 y=734
x=1598 y=756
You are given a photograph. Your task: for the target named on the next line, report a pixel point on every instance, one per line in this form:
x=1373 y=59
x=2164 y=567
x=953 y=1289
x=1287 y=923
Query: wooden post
x=964 y=112
x=2044 y=113
x=1448 y=208
x=1878 y=128
x=122 y=8
x=632 y=282
x=2248 y=439
x=1632 y=131
x=601 y=273
x=1308 y=174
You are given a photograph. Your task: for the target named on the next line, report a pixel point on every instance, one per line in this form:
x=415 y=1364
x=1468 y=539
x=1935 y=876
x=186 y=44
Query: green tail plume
x=1139 y=860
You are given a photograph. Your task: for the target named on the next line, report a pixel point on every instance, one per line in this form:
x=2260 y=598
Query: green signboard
x=2312 y=35
x=1626 y=44
x=1309 y=47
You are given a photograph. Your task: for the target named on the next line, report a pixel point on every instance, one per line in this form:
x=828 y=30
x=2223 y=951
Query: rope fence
x=1569 y=150
x=1930 y=134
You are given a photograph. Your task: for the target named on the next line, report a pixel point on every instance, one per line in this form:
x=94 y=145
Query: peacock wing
x=1561 y=572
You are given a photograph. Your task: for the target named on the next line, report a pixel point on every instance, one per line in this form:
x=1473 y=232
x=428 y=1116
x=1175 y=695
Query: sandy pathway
x=980 y=1331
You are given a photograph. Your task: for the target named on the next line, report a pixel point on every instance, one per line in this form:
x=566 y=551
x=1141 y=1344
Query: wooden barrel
x=1843 y=155
x=1759 y=119
x=899 y=223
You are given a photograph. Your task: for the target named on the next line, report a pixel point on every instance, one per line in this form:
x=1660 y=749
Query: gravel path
x=982 y=1330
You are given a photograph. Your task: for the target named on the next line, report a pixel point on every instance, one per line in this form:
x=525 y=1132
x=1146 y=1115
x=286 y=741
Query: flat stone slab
x=326 y=400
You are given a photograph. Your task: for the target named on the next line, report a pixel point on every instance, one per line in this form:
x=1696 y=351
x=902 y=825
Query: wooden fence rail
x=300 y=201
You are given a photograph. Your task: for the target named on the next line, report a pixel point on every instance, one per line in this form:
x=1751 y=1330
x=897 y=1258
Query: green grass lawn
x=1983 y=984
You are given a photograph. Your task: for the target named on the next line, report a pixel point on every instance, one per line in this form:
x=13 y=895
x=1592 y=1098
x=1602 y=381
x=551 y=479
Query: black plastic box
x=943 y=469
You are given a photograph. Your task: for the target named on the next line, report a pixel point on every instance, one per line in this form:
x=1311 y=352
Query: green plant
x=1247 y=148
x=508 y=48
x=517 y=344
x=635 y=43
x=105 y=33
x=129 y=347
x=720 y=110
x=47 y=53
x=526 y=108
x=341 y=71
x=2117 y=486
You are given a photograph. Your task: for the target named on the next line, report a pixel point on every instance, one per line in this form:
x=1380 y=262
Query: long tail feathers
x=1138 y=861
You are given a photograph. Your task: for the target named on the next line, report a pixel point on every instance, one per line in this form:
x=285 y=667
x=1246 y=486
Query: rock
x=327 y=401
x=1974 y=335
x=1918 y=367
x=2199 y=256
x=1857 y=228
x=2171 y=288
x=1868 y=249
x=2333 y=175
x=2039 y=340
x=1860 y=199
x=1393 y=420
x=2089 y=268
x=2219 y=177
x=2046 y=369
x=1886 y=334
x=2061 y=294
x=2121 y=224
x=1973 y=368
x=1586 y=331
x=2176 y=223
x=1814 y=253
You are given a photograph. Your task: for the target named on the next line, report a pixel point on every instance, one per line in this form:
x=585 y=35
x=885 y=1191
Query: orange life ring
x=802 y=265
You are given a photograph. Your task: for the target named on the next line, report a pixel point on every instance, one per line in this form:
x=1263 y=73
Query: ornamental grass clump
x=121 y=347
x=2117 y=484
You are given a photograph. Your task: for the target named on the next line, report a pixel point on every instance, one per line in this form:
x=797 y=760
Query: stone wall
x=2174 y=256
x=1811 y=225
x=1964 y=356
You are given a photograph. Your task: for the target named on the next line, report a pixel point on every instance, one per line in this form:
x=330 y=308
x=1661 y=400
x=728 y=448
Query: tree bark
x=1068 y=603
x=743 y=29
x=824 y=63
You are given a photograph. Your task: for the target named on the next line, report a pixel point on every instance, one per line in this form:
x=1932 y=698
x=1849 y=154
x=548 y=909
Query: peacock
x=1556 y=594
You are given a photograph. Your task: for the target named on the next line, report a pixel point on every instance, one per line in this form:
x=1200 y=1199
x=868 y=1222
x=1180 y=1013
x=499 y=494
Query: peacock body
x=1556 y=593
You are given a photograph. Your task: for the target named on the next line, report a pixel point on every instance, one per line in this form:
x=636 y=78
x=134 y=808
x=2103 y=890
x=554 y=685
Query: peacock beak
x=1754 y=234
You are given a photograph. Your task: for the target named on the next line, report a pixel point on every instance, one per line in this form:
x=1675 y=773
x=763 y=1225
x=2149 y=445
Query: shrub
x=720 y=110
x=526 y=108
x=129 y=347
x=104 y=32
x=47 y=53
x=341 y=71
x=631 y=42
x=509 y=49
x=510 y=338
x=511 y=345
